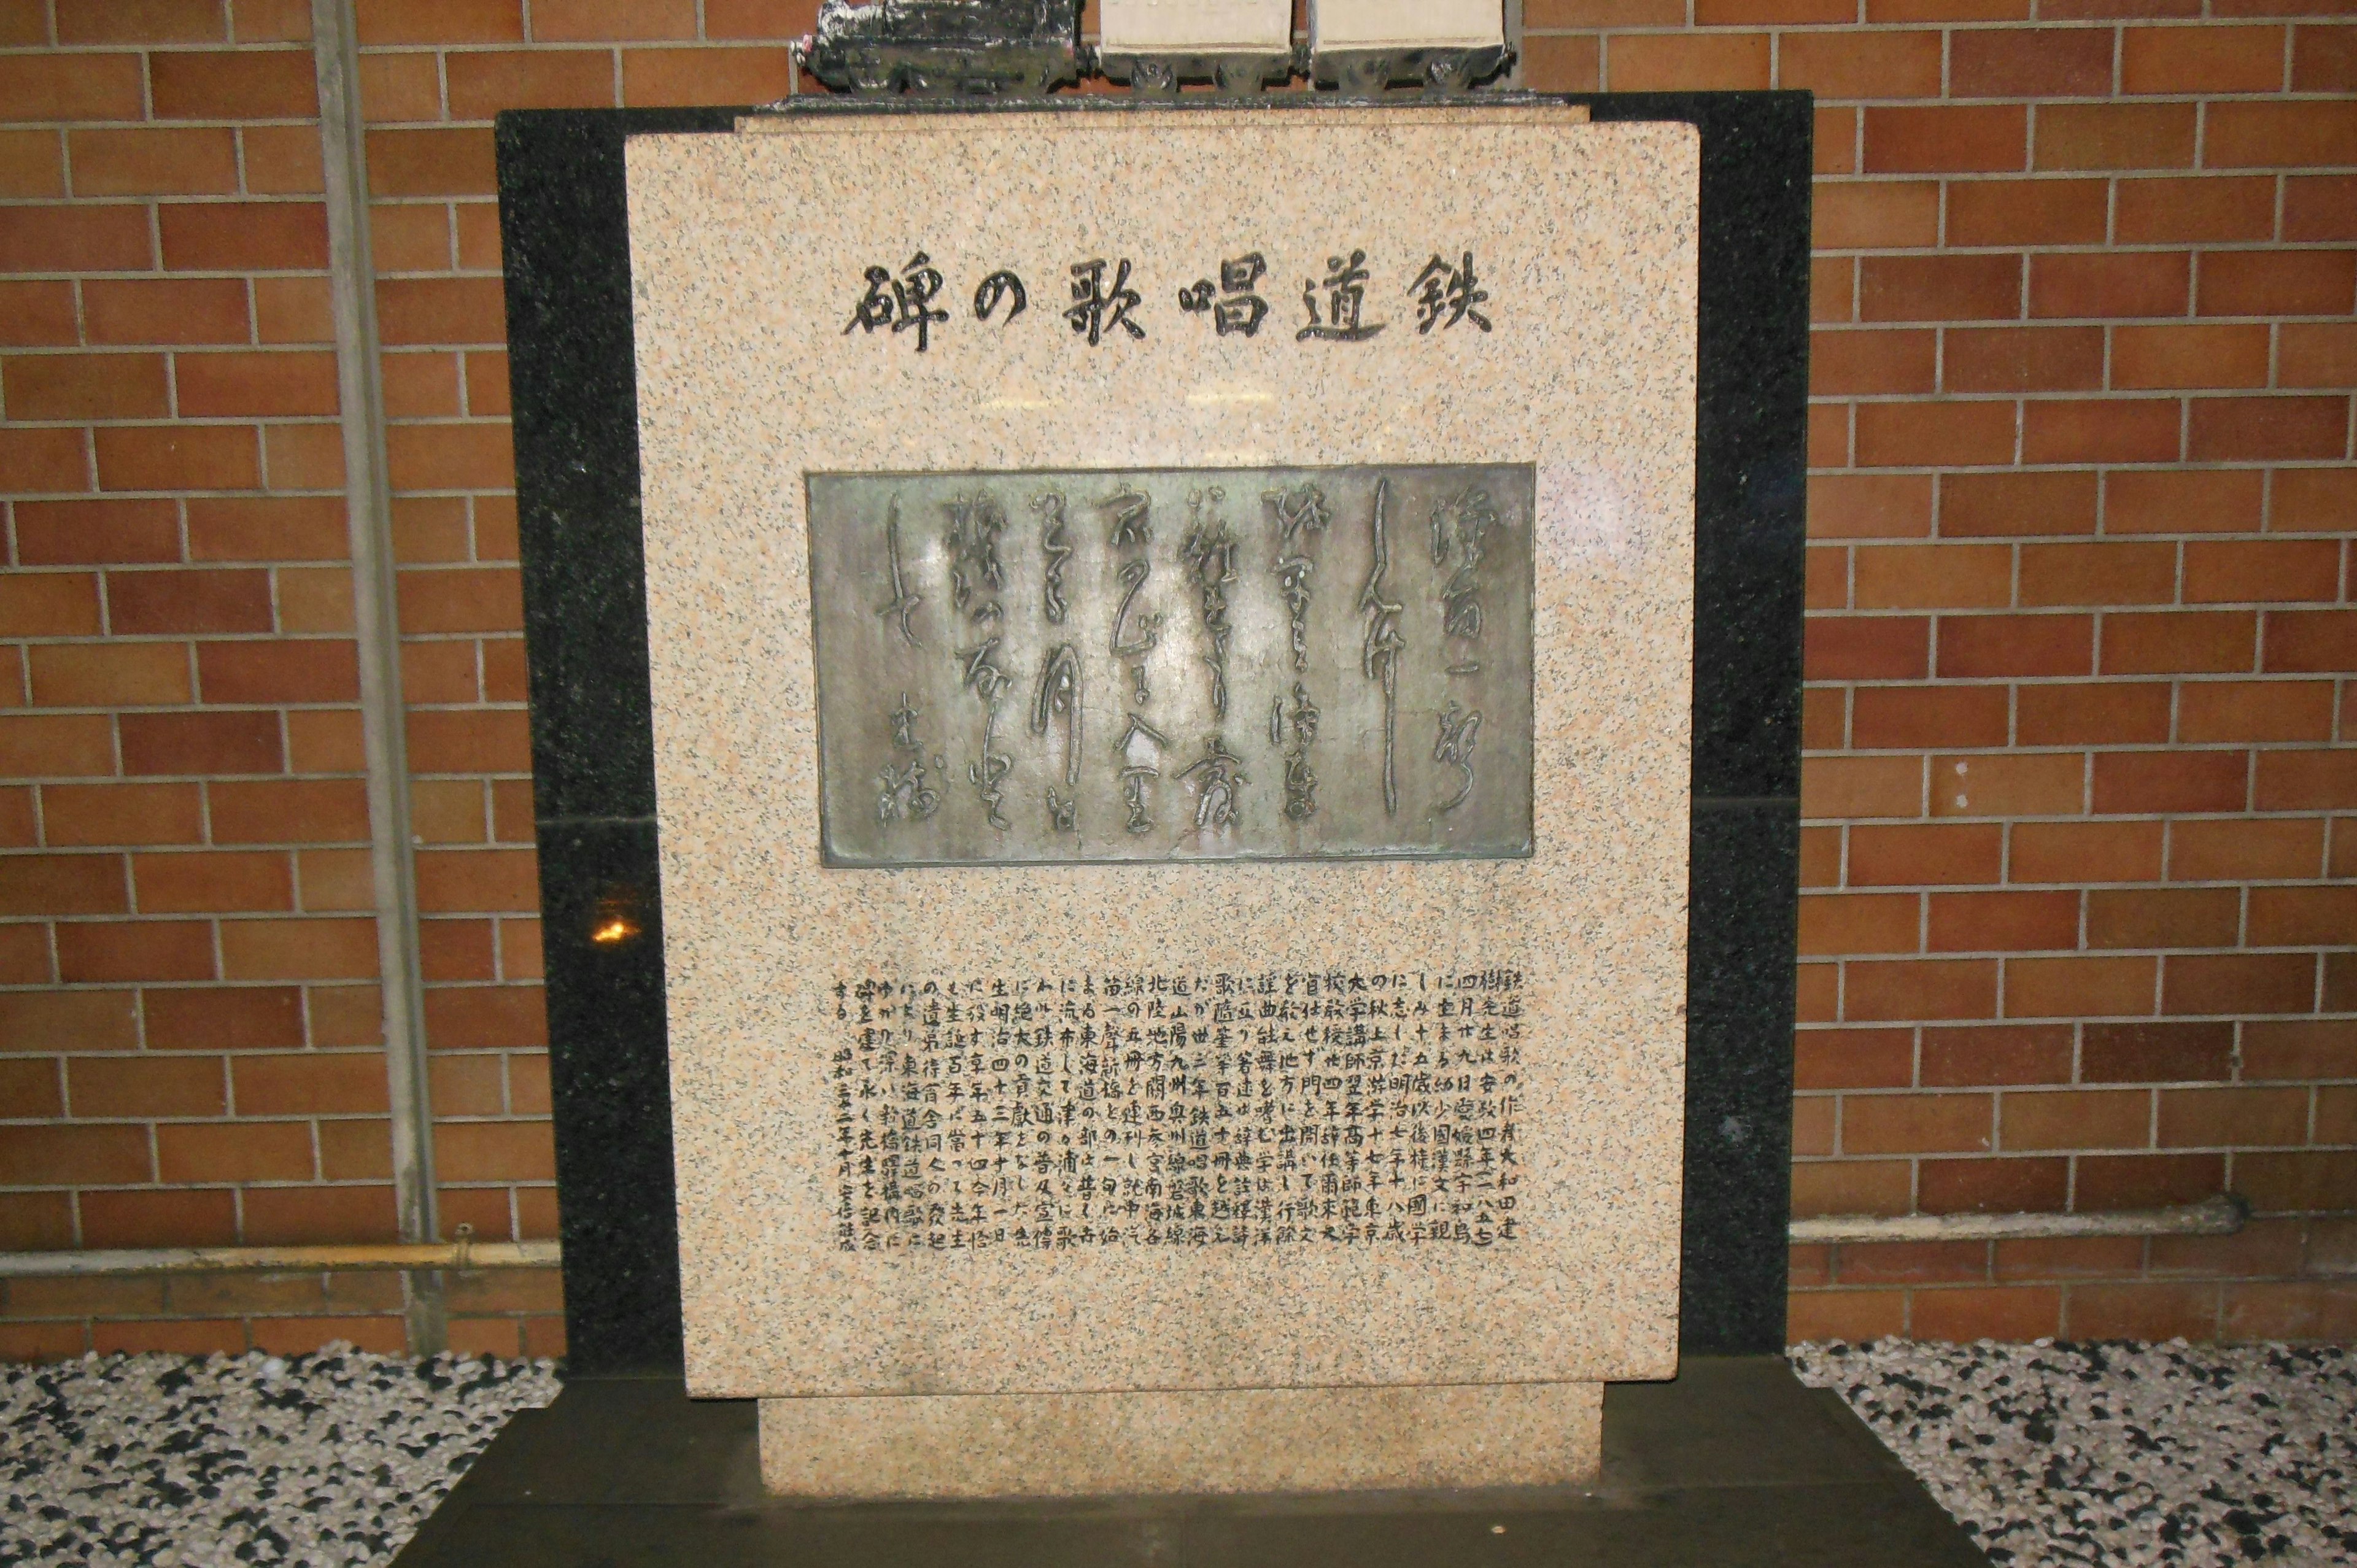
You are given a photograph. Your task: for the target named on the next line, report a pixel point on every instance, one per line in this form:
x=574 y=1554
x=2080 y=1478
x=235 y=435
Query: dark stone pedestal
x=1735 y=1464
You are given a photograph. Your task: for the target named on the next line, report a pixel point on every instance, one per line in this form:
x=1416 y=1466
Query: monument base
x=1199 y=1442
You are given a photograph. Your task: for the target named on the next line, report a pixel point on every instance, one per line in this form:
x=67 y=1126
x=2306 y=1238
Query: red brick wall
x=2078 y=929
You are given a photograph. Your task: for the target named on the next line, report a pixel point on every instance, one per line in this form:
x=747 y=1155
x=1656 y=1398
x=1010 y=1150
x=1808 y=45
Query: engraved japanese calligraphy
x=1173 y=664
x=1277 y=1110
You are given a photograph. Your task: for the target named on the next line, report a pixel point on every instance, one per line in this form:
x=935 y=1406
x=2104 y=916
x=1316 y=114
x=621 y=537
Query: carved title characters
x=1105 y=302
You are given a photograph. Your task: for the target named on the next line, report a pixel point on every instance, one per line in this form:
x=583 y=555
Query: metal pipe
x=2220 y=1216
x=463 y=1253
x=352 y=286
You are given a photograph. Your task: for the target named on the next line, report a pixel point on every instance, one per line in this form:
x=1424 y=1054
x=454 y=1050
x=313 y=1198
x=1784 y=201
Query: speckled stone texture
x=747 y=255
x=1237 y=1440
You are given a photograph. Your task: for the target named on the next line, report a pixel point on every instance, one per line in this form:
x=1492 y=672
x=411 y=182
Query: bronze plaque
x=1157 y=664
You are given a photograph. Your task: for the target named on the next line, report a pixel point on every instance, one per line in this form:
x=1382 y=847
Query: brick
x=215 y=1018
x=69 y=1020
x=1988 y=1187
x=2310 y=641
x=71 y=86
x=493 y=1151
x=458 y=950
x=2266 y=135
x=2319 y=207
x=304 y=456
x=486 y=1016
x=1910 y=1262
x=1555 y=64
x=655 y=78
x=201 y=743
x=71 y=1154
x=2098 y=574
x=2114 y=136
x=1841 y=926
x=2013 y=1313
x=2278 y=283
x=421 y=386
x=1844 y=786
x=267 y=528
x=2201 y=59
x=36 y=314
x=62 y=884
x=200 y=1217
x=2317 y=354
x=2142 y=1311
x=1854 y=363
x=1888 y=648
x=1934 y=576
x=49 y=604
x=2242 y=429
x=1854 y=1059
x=2262 y=1247
x=2324 y=60
x=1853 y=1316
x=2154 y=356
x=24 y=956
x=1907 y=989
x=476 y=1085
x=2336 y=1115
x=496 y=741
x=135 y=951
x=183 y=161
x=151 y=603
x=1916 y=1123
x=359 y=1151
x=2068 y=1257
x=108 y=674
x=2016 y=503
x=1829 y=437
x=1948 y=287
x=309 y=949
x=238 y=1152
x=2179 y=642
x=1885 y=716
x=1858 y=65
x=2179 y=780
x=791 y=18
x=439 y=673
x=2260 y=849
x=2163 y=917
x=2183 y=501
x=2023 y=359
x=1977 y=647
x=488 y=600
x=292 y=810
x=44 y=745
x=291 y=311
x=85 y=386
x=1869 y=506
x=2033 y=784
x=2296 y=916
x=2026 y=211
x=432 y=162
x=2234 y=1118
x=176 y=457
x=2030 y=62
x=1996 y=1054
x=450 y=456
x=2291 y=1183
x=1880 y=215
x=2307 y=780
x=324 y=1084
x=1946 y=139
x=279 y=383
x=478 y=225
x=1985 y=922
x=2165 y=209
x=323 y=741
x=138 y=21
x=191 y=1337
x=244 y=236
x=2211 y=983
x=336 y=879
x=211 y=882
x=165 y=310
x=241 y=84
x=308 y=671
x=283 y=160
x=2133 y=282
x=1925 y=434
x=2069 y=987
x=2272 y=1311
x=43 y=461
x=442 y=310
x=402 y=87
x=137 y=1086
x=439 y=22
x=2212 y=711
x=112 y=238
x=311 y=1216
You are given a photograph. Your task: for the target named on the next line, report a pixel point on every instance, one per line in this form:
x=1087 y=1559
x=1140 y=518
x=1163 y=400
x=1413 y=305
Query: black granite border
x=564 y=227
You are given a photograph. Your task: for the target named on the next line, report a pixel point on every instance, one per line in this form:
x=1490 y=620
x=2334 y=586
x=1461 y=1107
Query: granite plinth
x=1734 y=1465
x=760 y=362
x=1191 y=1443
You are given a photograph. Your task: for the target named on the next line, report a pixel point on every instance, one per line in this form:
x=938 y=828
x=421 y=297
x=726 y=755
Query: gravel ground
x=2111 y=1455
x=325 y=1460
x=2119 y=1454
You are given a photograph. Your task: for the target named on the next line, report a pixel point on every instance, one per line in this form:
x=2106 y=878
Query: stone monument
x=1171 y=646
